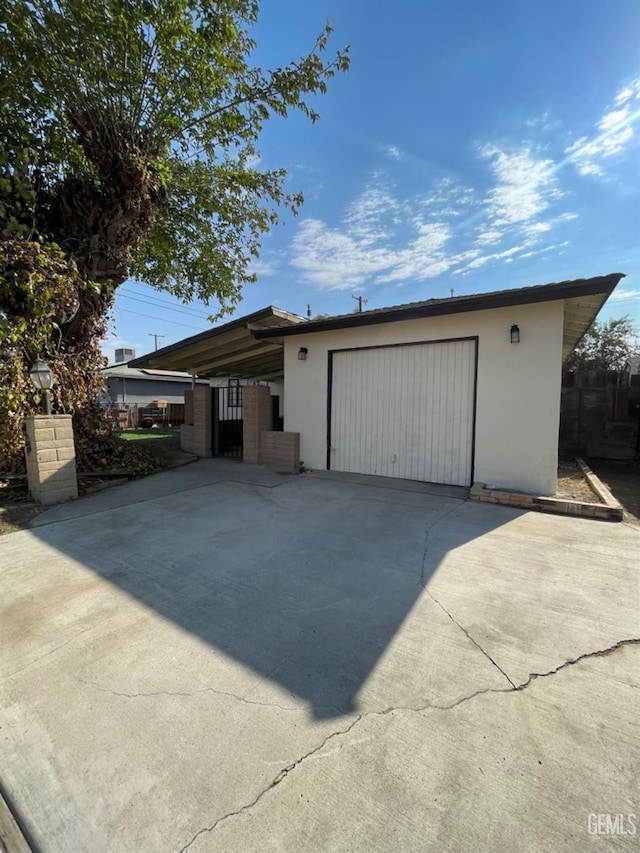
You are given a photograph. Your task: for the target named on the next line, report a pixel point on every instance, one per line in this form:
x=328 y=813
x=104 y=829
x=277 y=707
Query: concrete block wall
x=257 y=418
x=280 y=449
x=186 y=438
x=186 y=428
x=202 y=428
x=51 y=458
x=188 y=408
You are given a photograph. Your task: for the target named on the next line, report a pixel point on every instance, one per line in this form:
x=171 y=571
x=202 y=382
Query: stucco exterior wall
x=518 y=388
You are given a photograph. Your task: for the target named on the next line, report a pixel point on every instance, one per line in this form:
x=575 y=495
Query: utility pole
x=155 y=338
x=361 y=301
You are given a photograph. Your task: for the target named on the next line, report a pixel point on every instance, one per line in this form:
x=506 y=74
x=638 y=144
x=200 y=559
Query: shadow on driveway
x=305 y=581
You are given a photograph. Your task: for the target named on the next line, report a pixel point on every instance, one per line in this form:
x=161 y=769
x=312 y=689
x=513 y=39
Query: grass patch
x=145 y=434
x=17 y=518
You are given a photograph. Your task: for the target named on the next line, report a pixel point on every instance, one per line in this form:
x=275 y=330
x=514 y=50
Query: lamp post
x=42 y=377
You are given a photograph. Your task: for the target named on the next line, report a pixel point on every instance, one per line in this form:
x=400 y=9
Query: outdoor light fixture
x=302 y=354
x=515 y=334
x=42 y=377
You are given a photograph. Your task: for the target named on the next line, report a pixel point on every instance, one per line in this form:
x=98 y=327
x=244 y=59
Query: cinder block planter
x=51 y=458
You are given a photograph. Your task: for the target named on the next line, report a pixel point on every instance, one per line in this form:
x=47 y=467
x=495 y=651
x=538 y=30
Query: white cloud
x=497 y=256
x=489 y=236
x=365 y=244
x=393 y=152
x=610 y=120
x=625 y=294
x=538 y=228
x=366 y=214
x=524 y=185
x=628 y=92
x=262 y=267
x=614 y=131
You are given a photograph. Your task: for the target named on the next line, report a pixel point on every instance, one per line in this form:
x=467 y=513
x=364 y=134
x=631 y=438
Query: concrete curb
x=11 y=838
x=559 y=506
x=596 y=484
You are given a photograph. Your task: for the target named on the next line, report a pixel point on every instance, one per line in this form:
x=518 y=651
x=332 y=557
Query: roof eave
x=501 y=299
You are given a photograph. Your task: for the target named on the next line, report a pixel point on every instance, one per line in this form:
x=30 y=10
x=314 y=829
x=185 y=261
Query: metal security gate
x=404 y=411
x=227 y=421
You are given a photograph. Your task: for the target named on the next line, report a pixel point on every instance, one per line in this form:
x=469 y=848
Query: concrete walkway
x=223 y=658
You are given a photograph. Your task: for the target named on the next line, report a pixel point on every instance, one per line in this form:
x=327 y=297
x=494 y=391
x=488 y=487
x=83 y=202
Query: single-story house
x=141 y=387
x=457 y=390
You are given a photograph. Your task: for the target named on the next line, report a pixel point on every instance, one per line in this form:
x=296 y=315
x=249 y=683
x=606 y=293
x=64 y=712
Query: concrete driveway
x=222 y=658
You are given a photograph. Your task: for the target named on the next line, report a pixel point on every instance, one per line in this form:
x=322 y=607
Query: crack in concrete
x=189 y=694
x=468 y=635
x=423 y=584
x=425 y=550
x=631 y=641
x=282 y=775
x=285 y=771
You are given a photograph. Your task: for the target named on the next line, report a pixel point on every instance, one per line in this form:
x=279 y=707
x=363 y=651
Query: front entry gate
x=227 y=421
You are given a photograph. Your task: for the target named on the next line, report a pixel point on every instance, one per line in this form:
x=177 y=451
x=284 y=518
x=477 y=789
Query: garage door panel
x=405 y=411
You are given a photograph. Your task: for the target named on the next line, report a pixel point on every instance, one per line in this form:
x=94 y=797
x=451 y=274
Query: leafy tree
x=606 y=345
x=128 y=142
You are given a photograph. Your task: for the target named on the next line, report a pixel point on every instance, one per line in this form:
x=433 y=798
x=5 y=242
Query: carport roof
x=583 y=299
x=227 y=350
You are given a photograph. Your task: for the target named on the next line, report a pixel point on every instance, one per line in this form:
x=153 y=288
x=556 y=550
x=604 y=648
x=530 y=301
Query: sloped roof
x=228 y=350
x=583 y=300
x=250 y=347
x=123 y=371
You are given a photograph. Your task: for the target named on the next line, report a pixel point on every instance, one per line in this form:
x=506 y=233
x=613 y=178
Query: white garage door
x=404 y=411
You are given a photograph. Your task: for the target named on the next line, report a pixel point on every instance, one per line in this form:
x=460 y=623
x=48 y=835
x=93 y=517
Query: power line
x=161 y=319
x=160 y=303
x=155 y=338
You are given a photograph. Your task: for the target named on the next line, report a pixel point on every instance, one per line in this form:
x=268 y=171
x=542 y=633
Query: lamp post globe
x=42 y=377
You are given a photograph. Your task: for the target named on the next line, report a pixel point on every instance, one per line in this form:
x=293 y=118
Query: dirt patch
x=17 y=517
x=623 y=480
x=572 y=484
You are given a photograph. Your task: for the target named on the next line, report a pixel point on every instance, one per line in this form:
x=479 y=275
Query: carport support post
x=202 y=421
x=215 y=421
x=256 y=418
x=50 y=454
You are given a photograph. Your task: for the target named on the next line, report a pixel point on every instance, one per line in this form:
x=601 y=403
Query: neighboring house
x=458 y=390
x=633 y=366
x=134 y=386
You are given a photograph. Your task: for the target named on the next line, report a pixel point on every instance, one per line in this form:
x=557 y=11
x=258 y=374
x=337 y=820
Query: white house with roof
x=457 y=391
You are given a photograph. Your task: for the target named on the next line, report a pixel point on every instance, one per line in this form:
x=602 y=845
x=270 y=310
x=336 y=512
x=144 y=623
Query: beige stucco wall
x=518 y=392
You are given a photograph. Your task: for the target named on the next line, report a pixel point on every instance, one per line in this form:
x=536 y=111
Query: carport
x=227 y=351
x=239 y=417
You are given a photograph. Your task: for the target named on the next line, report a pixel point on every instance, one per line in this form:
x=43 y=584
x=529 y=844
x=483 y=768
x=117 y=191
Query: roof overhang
x=582 y=299
x=229 y=350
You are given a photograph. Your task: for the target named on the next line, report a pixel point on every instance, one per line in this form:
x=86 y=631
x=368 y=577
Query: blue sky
x=473 y=146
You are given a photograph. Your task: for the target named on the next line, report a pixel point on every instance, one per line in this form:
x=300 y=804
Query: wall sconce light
x=302 y=354
x=42 y=377
x=515 y=334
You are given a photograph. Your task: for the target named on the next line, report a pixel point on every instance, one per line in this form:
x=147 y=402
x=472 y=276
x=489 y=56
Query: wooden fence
x=600 y=414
